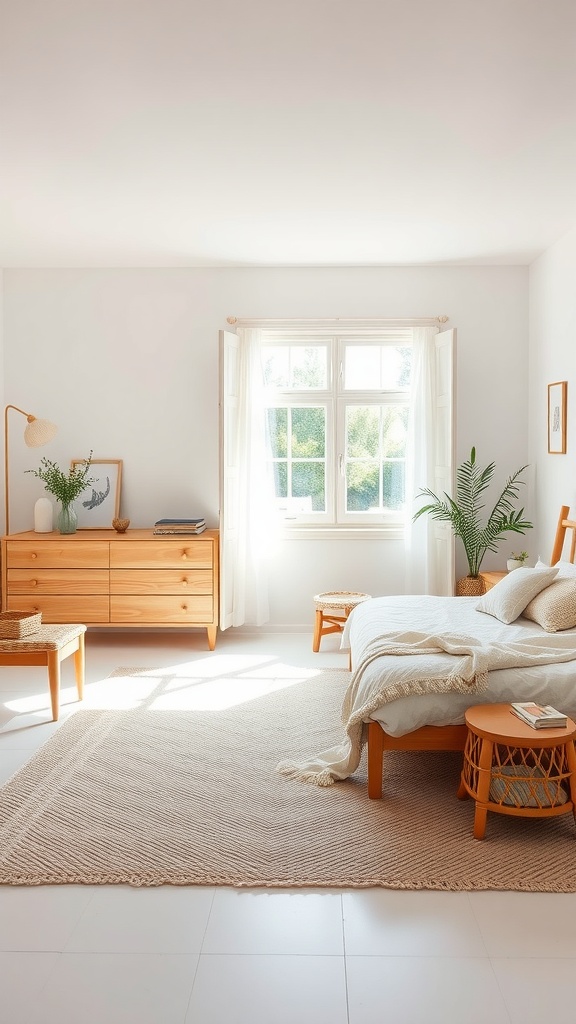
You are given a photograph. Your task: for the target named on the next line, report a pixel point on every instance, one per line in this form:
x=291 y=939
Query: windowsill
x=351 y=532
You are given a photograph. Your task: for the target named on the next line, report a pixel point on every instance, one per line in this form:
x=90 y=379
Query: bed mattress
x=552 y=684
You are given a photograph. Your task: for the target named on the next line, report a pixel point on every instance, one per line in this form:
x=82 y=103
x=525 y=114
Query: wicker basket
x=15 y=625
x=470 y=586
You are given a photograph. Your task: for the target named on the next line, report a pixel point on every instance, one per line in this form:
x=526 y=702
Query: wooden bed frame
x=442 y=737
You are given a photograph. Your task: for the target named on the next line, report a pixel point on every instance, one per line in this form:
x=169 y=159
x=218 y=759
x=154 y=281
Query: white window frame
x=335 y=399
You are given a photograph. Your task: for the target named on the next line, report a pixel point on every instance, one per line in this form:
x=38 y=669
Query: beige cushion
x=508 y=599
x=554 y=607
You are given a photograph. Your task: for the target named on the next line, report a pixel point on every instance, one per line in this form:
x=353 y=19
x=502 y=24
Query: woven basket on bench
x=14 y=625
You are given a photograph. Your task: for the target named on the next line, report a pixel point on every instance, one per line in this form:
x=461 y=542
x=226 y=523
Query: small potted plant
x=516 y=561
x=65 y=487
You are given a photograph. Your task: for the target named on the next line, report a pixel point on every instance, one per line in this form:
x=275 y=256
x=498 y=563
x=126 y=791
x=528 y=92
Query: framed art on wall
x=99 y=503
x=557 y=417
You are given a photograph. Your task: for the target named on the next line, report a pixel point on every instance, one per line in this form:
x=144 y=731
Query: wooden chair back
x=564 y=524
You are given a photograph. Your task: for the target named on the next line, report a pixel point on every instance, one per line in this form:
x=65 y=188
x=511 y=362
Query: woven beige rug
x=187 y=797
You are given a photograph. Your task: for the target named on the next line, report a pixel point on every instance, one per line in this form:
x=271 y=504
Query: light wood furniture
x=135 y=579
x=429 y=737
x=564 y=524
x=511 y=768
x=443 y=737
x=327 y=605
x=491 y=579
x=49 y=646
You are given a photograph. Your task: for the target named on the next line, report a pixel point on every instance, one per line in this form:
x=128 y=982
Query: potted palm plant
x=464 y=512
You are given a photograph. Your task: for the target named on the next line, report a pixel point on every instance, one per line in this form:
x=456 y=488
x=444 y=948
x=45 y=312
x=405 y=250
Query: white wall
x=126 y=362
x=552 y=350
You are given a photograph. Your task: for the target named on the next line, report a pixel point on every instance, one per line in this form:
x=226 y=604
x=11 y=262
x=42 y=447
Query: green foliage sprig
x=465 y=512
x=65 y=487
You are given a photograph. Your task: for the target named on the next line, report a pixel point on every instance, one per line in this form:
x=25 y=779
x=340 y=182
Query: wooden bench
x=49 y=646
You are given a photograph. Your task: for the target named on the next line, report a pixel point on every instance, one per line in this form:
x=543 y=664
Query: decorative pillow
x=511 y=595
x=554 y=607
x=565 y=569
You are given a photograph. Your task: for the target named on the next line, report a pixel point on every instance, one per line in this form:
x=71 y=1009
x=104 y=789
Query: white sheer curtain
x=421 y=563
x=248 y=512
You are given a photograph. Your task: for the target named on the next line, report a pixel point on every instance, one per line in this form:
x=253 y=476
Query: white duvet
x=553 y=683
x=423 y=660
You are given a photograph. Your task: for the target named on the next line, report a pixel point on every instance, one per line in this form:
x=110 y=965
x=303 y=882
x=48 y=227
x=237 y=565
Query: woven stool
x=327 y=604
x=49 y=645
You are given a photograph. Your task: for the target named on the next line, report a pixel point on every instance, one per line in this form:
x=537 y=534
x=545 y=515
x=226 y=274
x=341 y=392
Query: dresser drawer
x=58 y=581
x=62 y=609
x=161 y=610
x=54 y=555
x=193 y=554
x=161 y=581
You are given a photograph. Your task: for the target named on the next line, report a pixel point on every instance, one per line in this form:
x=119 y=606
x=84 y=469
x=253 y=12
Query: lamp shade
x=38 y=432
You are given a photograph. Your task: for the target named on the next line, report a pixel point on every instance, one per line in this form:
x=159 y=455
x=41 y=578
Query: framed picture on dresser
x=99 y=503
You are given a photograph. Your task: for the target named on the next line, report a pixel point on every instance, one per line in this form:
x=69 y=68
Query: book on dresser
x=539 y=716
x=178 y=527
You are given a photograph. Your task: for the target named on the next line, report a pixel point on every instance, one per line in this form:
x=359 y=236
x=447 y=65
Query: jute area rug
x=151 y=797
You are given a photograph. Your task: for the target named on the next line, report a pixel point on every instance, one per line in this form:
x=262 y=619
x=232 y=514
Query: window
x=337 y=420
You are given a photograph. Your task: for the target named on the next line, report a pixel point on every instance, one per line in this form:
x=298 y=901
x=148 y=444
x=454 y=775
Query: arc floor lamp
x=36 y=433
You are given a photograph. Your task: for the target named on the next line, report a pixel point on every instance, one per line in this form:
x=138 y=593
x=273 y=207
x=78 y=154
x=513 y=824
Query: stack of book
x=175 y=527
x=539 y=716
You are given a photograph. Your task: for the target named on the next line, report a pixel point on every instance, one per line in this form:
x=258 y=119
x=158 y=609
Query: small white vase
x=43 y=516
x=513 y=563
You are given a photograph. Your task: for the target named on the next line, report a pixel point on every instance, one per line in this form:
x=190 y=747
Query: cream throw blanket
x=430 y=664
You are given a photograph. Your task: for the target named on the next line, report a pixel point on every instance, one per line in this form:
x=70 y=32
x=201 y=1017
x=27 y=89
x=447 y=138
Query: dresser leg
x=212 y=631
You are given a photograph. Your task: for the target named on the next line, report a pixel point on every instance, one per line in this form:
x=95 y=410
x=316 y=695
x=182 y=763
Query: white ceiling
x=310 y=132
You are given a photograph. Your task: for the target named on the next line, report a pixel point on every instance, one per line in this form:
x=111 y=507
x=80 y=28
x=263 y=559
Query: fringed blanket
x=447 y=663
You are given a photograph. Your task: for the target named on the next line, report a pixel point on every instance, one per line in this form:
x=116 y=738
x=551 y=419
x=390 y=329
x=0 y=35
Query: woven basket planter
x=15 y=625
x=470 y=586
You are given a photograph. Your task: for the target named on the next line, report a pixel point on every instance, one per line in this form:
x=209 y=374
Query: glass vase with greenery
x=65 y=487
x=478 y=533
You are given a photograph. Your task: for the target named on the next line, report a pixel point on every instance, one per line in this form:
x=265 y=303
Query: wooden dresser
x=103 y=578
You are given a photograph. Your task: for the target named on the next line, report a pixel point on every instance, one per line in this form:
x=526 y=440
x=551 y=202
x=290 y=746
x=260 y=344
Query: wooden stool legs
x=321 y=629
x=75 y=647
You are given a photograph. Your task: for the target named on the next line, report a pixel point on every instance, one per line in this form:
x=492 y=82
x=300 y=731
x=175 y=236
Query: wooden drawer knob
x=33 y=583
x=34 y=555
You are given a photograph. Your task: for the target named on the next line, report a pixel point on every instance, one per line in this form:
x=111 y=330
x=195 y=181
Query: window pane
x=308 y=367
x=377 y=367
x=393 y=489
x=280 y=470
x=295 y=367
x=278 y=432
x=276 y=366
x=308 y=481
x=309 y=433
x=375 y=452
x=362 y=431
x=362 y=487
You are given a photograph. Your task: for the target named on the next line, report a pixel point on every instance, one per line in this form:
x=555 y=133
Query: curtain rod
x=414 y=321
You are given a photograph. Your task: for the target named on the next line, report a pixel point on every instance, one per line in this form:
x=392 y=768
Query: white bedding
x=554 y=684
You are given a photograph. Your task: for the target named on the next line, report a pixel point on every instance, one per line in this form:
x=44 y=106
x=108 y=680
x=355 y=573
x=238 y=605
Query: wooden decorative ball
x=120 y=525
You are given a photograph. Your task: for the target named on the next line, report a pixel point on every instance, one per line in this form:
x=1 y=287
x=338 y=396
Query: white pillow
x=510 y=596
x=566 y=570
x=554 y=607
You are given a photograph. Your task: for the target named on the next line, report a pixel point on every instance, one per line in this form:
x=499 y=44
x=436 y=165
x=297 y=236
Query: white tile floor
x=117 y=955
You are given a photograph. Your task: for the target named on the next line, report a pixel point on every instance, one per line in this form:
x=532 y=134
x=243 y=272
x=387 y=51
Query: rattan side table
x=511 y=768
